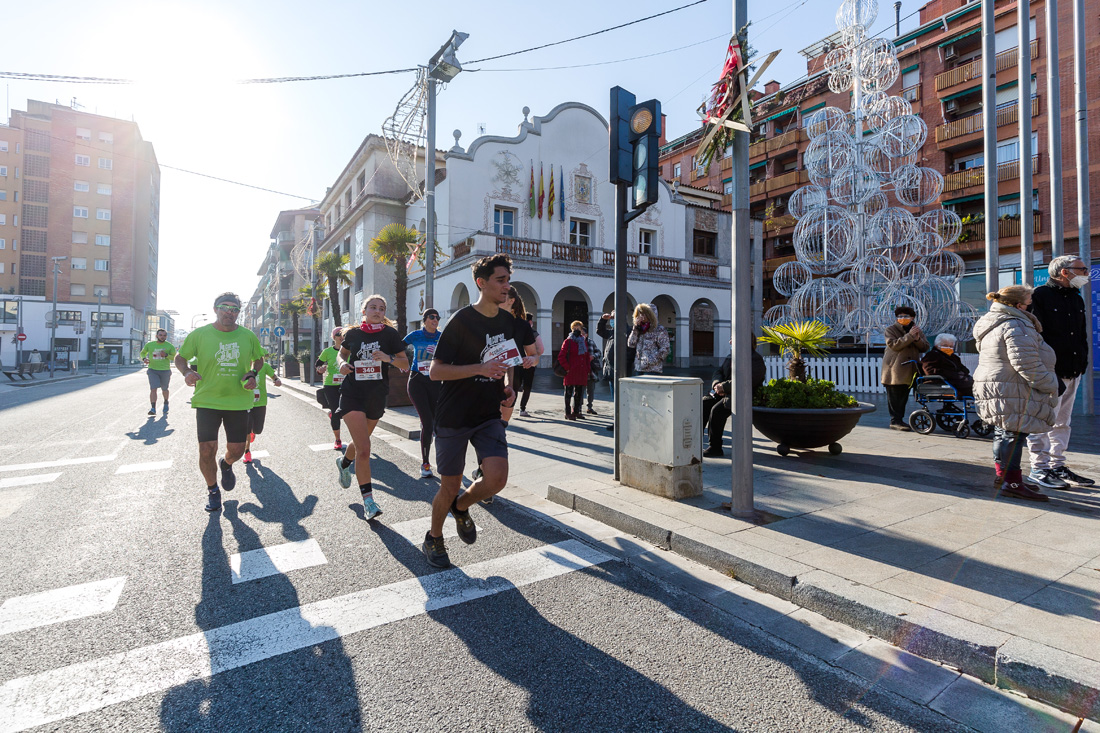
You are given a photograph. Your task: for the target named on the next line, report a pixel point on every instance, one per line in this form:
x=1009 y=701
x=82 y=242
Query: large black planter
x=797 y=428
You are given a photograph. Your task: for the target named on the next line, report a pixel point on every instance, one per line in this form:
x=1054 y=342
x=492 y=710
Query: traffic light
x=622 y=152
x=645 y=133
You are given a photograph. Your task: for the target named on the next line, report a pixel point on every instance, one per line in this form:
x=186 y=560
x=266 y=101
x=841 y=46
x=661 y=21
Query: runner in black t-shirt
x=365 y=357
x=474 y=360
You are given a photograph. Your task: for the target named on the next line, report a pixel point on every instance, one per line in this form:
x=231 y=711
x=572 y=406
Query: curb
x=1053 y=676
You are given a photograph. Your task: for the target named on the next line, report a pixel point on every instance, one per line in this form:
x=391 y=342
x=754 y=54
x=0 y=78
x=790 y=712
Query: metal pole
x=429 y=199
x=741 y=498
x=757 y=276
x=1027 y=217
x=622 y=310
x=897 y=18
x=989 y=129
x=98 y=327
x=1054 y=131
x=315 y=335
x=53 y=329
x=1084 y=223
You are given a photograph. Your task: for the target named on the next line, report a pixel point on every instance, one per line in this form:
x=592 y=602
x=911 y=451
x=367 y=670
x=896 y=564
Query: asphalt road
x=127 y=607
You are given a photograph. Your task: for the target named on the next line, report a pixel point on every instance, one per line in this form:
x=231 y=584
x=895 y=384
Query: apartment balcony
x=948 y=82
x=966 y=130
x=911 y=94
x=972 y=238
x=962 y=180
x=779 y=226
x=726 y=164
x=580 y=259
x=791 y=137
x=788 y=180
x=758 y=189
x=757 y=150
x=727 y=200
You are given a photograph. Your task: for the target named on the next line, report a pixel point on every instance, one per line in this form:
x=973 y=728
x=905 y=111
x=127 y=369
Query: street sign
x=22 y=337
x=280 y=331
x=265 y=331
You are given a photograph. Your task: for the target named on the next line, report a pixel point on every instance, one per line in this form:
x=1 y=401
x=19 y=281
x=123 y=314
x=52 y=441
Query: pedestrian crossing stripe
x=42 y=478
x=58 y=694
x=138 y=467
x=59 y=462
x=260 y=454
x=62 y=604
x=415 y=529
x=266 y=561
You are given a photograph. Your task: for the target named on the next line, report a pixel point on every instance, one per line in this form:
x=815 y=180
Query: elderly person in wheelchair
x=942 y=361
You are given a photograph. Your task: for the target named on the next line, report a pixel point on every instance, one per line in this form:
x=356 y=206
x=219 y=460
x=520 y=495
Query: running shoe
x=338 y=446
x=435 y=552
x=476 y=474
x=152 y=411
x=426 y=470
x=1072 y=478
x=213 y=500
x=228 y=479
x=248 y=456
x=1047 y=478
x=524 y=413
x=591 y=411
x=467 y=530
x=371 y=507
x=165 y=409
x=345 y=473
x=488 y=500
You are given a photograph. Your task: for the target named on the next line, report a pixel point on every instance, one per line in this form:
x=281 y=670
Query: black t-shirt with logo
x=368 y=375
x=470 y=338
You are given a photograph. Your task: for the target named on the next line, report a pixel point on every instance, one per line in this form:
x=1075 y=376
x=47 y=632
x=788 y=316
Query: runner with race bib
x=330 y=388
x=423 y=392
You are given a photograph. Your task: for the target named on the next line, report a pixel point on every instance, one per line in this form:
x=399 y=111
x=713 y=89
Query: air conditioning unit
x=949 y=51
x=951 y=106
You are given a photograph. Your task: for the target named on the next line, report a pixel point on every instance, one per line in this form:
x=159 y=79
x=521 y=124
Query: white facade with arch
x=679 y=250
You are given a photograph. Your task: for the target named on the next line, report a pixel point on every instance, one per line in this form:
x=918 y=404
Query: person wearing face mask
x=575 y=359
x=1015 y=389
x=942 y=361
x=1061 y=310
x=905 y=343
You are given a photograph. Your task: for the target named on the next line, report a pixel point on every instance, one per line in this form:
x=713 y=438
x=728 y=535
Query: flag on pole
x=531 y=193
x=542 y=190
x=562 y=204
x=550 y=197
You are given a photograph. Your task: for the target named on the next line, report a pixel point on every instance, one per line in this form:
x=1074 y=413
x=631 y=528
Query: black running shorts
x=210 y=422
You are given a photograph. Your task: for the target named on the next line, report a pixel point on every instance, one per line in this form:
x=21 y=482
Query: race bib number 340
x=367 y=369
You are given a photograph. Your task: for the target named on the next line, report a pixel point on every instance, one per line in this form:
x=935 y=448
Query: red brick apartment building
x=941 y=76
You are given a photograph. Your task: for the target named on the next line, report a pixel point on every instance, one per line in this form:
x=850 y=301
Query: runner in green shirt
x=327 y=366
x=258 y=413
x=158 y=356
x=227 y=358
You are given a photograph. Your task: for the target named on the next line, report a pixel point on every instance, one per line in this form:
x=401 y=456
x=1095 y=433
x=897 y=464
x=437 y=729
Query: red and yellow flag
x=542 y=192
x=550 y=197
x=531 y=193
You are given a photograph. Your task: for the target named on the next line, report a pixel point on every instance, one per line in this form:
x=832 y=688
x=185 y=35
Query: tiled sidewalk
x=900 y=536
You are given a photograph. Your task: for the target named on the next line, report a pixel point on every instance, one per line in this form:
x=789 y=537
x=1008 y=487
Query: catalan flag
x=542 y=191
x=550 y=197
x=531 y=193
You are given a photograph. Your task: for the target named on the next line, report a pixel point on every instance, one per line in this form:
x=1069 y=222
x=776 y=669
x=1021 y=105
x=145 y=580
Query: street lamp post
x=443 y=66
x=53 y=330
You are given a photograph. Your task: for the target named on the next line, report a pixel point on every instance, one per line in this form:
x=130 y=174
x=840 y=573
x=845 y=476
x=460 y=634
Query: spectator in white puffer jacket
x=1015 y=387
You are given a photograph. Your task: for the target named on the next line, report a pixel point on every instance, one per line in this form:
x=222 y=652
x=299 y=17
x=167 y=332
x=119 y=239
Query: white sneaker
x=426 y=471
x=524 y=413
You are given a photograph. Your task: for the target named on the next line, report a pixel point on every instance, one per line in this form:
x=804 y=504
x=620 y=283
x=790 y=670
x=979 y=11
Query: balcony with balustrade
x=966 y=182
x=954 y=80
x=967 y=130
x=972 y=238
x=576 y=259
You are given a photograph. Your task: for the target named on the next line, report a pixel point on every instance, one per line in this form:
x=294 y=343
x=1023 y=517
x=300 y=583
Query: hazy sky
x=296 y=137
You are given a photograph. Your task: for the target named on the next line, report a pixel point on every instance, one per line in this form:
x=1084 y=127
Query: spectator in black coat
x=942 y=361
x=605 y=329
x=1061 y=311
x=716 y=405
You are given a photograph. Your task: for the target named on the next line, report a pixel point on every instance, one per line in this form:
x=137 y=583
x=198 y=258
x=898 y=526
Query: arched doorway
x=609 y=302
x=701 y=324
x=666 y=316
x=570 y=304
x=528 y=295
x=460 y=298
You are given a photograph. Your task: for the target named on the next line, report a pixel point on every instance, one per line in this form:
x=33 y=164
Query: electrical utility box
x=661 y=426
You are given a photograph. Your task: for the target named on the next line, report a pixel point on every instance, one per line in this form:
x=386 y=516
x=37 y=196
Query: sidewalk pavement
x=900 y=536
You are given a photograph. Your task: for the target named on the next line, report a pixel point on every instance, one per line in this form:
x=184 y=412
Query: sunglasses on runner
x=229 y=308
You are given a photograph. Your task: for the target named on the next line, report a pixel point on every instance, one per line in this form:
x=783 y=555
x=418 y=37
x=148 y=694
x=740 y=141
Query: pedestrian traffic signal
x=622 y=152
x=645 y=134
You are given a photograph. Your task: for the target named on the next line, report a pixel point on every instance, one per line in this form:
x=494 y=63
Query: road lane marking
x=136 y=467
x=98 y=683
x=62 y=604
x=323 y=446
x=415 y=529
x=60 y=462
x=267 y=561
x=42 y=478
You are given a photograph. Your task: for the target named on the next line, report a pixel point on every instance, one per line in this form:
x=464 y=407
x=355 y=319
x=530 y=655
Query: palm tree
x=294 y=309
x=392 y=246
x=332 y=270
x=795 y=338
x=305 y=294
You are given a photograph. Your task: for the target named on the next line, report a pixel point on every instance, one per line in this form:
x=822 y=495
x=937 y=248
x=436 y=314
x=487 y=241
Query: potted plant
x=798 y=412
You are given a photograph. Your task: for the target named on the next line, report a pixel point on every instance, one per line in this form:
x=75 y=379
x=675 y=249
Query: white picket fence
x=849 y=373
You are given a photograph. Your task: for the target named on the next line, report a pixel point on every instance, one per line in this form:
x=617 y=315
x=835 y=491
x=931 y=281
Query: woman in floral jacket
x=649 y=339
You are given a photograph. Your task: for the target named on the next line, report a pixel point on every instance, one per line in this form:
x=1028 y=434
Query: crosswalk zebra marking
x=42 y=478
x=61 y=604
x=261 y=563
x=59 y=462
x=138 y=467
x=414 y=529
x=61 y=693
x=317 y=447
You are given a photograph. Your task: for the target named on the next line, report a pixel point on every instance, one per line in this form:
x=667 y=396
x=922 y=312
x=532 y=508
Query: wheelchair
x=953 y=414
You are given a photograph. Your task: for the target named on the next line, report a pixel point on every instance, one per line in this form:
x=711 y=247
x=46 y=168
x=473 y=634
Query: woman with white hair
x=649 y=339
x=942 y=361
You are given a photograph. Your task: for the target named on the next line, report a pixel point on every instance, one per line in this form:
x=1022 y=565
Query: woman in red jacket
x=575 y=359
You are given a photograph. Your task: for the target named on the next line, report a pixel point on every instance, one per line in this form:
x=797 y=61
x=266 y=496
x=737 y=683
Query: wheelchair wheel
x=962 y=430
x=982 y=429
x=947 y=423
x=922 y=422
